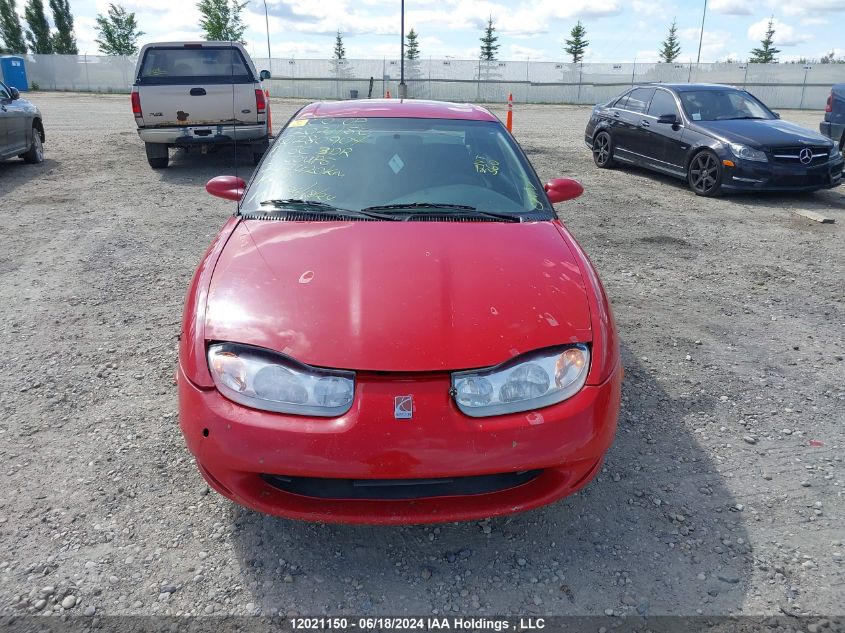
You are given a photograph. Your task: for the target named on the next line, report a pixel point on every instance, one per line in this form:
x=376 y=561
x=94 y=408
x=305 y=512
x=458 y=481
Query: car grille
x=791 y=155
x=399 y=488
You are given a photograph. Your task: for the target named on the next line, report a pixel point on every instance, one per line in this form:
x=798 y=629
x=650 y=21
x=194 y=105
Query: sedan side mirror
x=668 y=119
x=14 y=93
x=560 y=189
x=264 y=74
x=777 y=114
x=226 y=187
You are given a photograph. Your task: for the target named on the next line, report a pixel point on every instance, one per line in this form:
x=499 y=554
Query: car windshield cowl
x=409 y=210
x=312 y=206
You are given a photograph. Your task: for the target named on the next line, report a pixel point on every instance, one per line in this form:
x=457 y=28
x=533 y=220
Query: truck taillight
x=136 y=105
x=260 y=101
x=829 y=106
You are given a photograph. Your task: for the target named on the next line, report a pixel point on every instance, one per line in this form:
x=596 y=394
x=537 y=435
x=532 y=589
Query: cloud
x=713 y=44
x=733 y=7
x=785 y=34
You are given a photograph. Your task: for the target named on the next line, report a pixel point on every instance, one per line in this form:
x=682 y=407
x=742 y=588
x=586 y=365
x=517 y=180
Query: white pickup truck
x=197 y=95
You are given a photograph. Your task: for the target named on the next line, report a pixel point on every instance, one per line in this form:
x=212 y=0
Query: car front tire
x=35 y=153
x=158 y=156
x=603 y=150
x=705 y=174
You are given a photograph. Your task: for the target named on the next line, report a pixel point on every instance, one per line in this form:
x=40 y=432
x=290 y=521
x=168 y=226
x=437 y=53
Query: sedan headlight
x=746 y=153
x=261 y=379
x=834 y=152
x=528 y=382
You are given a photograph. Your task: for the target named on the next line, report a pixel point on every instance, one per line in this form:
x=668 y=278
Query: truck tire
x=842 y=142
x=258 y=150
x=157 y=155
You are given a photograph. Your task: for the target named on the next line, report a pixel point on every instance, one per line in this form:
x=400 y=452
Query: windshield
x=722 y=105
x=358 y=163
x=188 y=65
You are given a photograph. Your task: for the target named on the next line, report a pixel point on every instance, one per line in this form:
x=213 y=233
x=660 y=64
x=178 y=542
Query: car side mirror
x=777 y=114
x=561 y=189
x=264 y=74
x=14 y=93
x=668 y=119
x=226 y=187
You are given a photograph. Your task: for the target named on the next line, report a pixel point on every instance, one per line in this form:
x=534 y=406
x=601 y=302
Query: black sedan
x=21 y=130
x=716 y=137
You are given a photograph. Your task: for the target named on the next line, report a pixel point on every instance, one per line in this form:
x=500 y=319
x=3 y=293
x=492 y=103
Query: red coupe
x=395 y=327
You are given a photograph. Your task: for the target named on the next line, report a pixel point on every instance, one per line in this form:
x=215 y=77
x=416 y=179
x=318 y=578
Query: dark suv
x=834 y=115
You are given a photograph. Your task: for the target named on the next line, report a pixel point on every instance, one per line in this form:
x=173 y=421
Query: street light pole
x=403 y=89
x=267 y=25
x=701 y=35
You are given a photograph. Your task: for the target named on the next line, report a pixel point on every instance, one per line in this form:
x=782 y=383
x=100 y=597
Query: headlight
x=746 y=153
x=528 y=382
x=834 y=152
x=262 y=379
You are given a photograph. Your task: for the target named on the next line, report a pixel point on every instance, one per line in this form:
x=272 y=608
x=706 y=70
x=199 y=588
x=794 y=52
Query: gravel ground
x=723 y=493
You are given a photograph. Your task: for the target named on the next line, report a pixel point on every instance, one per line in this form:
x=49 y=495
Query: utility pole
x=701 y=35
x=403 y=89
x=267 y=25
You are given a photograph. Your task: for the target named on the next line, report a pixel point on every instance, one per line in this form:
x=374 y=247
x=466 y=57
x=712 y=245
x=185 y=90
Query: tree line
x=221 y=20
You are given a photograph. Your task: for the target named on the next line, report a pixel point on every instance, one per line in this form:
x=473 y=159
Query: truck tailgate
x=198 y=104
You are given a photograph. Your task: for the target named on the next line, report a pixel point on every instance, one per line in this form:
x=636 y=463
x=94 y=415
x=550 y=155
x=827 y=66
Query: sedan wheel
x=705 y=174
x=603 y=150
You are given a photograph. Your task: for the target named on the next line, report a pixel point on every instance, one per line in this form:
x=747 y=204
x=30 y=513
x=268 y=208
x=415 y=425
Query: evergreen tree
x=670 y=50
x=767 y=51
x=118 y=32
x=38 y=29
x=412 y=47
x=576 y=45
x=221 y=20
x=64 y=39
x=339 y=50
x=10 y=28
x=489 y=40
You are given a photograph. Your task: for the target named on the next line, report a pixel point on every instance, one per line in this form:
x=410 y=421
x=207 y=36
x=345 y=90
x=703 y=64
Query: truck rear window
x=194 y=65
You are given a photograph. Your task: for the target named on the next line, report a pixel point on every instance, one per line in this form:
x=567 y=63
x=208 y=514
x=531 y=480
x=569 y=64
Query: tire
x=158 y=155
x=842 y=142
x=705 y=174
x=35 y=153
x=603 y=150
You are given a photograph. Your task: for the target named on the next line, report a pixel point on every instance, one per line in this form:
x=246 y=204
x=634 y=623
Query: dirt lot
x=715 y=499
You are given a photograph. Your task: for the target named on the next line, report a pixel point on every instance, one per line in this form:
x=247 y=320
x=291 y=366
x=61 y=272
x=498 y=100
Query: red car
x=395 y=327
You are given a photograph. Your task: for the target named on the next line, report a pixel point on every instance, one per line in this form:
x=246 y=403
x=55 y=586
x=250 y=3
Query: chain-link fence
x=778 y=85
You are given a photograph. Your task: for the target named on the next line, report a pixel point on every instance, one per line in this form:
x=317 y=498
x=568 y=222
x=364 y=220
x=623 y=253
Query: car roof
x=396 y=108
x=689 y=87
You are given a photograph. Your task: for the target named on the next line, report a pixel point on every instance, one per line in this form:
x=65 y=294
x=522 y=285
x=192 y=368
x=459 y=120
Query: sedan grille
x=792 y=155
x=399 y=488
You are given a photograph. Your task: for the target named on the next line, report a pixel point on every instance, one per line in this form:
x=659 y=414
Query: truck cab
x=834 y=115
x=197 y=95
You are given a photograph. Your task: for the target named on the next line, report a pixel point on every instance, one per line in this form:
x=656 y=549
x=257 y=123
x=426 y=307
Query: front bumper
x=755 y=176
x=202 y=134
x=239 y=450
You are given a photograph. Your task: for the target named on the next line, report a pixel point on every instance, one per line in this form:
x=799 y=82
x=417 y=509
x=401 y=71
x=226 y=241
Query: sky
x=618 y=30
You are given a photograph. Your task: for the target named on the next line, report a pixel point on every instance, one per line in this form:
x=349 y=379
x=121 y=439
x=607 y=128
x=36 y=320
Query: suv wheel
x=35 y=153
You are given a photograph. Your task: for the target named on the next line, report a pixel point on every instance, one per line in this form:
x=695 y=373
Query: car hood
x=397 y=296
x=762 y=133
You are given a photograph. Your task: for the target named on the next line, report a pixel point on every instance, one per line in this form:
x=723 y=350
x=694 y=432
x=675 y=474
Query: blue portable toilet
x=13 y=72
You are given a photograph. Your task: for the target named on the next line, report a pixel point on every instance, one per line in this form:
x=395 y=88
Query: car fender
x=192 y=336
x=605 y=346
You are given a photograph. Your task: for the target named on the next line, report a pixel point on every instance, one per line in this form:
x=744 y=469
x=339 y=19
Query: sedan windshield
x=722 y=105
x=396 y=165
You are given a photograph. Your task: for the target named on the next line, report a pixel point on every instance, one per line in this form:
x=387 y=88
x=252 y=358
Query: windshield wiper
x=411 y=208
x=740 y=118
x=315 y=206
